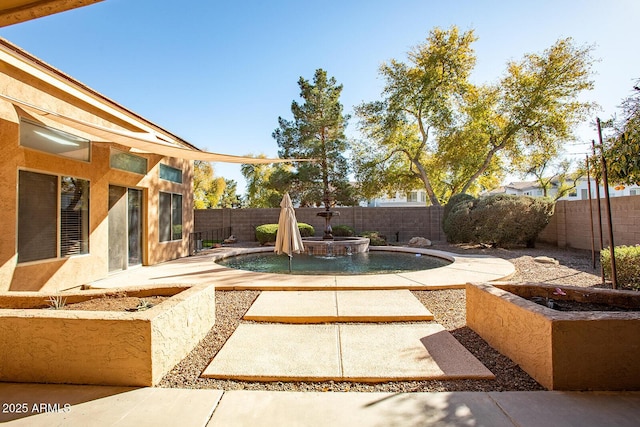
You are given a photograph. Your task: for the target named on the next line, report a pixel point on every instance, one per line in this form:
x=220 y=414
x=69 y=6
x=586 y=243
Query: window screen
x=165 y=217
x=37 y=216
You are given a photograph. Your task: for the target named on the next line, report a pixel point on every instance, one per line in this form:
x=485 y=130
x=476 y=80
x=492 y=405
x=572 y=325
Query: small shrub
x=343 y=231
x=306 y=230
x=627 y=266
x=266 y=233
x=375 y=238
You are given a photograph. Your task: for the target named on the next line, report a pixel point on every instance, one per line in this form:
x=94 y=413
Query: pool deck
x=203 y=269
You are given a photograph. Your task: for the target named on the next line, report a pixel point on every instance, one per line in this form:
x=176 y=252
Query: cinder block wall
x=570 y=225
x=397 y=223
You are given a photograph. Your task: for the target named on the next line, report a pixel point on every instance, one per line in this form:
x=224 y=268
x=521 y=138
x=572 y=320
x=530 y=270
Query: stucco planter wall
x=101 y=347
x=561 y=350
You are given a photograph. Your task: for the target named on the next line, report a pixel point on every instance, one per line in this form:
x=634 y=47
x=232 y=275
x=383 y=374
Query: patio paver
x=337 y=306
x=368 y=353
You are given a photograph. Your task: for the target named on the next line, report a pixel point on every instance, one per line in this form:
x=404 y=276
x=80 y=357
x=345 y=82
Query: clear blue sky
x=219 y=74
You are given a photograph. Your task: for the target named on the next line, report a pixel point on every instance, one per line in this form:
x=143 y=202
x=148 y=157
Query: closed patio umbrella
x=288 y=239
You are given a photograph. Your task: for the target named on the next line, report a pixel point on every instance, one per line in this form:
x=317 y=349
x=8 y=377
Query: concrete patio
x=119 y=406
x=203 y=269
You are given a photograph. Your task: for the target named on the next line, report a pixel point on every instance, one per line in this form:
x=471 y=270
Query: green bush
x=627 y=266
x=375 y=238
x=343 y=231
x=499 y=220
x=266 y=233
x=457 y=221
x=453 y=201
x=306 y=230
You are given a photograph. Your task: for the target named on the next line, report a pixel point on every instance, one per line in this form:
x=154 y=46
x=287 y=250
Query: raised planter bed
x=562 y=350
x=101 y=347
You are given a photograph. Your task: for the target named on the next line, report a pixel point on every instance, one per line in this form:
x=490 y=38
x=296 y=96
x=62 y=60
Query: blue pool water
x=377 y=262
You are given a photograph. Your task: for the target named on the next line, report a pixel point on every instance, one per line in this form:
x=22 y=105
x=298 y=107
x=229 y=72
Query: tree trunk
x=427 y=184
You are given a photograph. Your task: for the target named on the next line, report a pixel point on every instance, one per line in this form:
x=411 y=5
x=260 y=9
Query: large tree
x=207 y=189
x=434 y=127
x=260 y=192
x=317 y=131
x=623 y=149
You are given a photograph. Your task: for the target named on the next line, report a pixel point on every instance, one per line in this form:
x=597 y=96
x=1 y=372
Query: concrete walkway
x=203 y=269
x=337 y=306
x=119 y=406
x=345 y=352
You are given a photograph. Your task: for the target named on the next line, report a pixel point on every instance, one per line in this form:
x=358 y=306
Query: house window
x=54 y=141
x=170 y=174
x=412 y=196
x=170 y=221
x=584 y=193
x=128 y=162
x=53 y=216
x=634 y=192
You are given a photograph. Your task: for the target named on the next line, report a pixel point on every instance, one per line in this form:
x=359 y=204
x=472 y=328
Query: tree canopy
x=317 y=131
x=434 y=127
x=622 y=151
x=207 y=189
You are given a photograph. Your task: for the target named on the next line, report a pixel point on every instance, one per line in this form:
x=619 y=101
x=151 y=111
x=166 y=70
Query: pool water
x=378 y=262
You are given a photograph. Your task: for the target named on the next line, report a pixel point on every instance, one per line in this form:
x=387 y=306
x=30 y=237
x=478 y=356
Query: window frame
x=58 y=218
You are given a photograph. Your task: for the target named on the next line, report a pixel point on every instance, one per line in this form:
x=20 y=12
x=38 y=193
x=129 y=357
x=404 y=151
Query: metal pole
x=597 y=180
x=593 y=243
x=605 y=182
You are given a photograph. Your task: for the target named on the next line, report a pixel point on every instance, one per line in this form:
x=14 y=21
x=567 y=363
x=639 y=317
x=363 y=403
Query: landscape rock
x=546 y=260
x=419 y=242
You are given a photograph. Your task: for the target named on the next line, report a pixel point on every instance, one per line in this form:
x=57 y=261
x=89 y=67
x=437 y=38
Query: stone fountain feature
x=329 y=245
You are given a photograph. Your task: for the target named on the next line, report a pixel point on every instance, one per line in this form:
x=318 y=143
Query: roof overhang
x=17 y=11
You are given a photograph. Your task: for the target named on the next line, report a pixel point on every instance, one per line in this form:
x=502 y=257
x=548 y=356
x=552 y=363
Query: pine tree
x=317 y=131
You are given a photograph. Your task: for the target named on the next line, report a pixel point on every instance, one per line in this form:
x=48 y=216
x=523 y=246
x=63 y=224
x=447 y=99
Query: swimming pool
x=377 y=262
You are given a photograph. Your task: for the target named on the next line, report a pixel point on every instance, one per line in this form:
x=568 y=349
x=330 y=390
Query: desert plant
x=627 y=265
x=143 y=304
x=57 y=302
x=343 y=231
x=375 y=238
x=266 y=233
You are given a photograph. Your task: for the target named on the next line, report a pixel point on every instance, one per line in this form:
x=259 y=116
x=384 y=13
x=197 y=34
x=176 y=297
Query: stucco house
x=87 y=187
x=580 y=192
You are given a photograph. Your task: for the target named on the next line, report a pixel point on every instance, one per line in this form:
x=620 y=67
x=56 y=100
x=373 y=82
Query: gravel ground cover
x=448 y=307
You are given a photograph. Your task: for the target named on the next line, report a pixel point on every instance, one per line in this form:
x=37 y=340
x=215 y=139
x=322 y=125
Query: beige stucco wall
x=560 y=350
x=107 y=348
x=512 y=330
x=56 y=274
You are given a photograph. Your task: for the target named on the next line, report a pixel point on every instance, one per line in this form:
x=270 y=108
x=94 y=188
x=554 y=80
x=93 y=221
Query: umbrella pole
x=290 y=257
